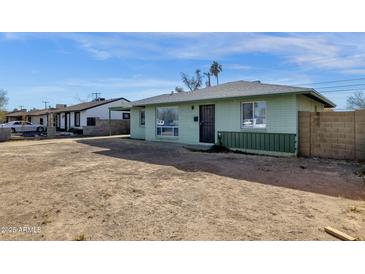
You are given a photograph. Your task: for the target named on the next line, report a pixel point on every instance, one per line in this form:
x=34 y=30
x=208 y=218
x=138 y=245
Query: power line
x=336 y=81
x=338 y=90
x=342 y=86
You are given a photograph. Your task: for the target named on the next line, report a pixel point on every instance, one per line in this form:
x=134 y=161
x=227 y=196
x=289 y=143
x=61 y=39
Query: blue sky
x=68 y=67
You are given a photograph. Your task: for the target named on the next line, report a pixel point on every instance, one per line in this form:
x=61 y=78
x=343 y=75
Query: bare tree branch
x=3 y=103
x=3 y=99
x=192 y=83
x=356 y=101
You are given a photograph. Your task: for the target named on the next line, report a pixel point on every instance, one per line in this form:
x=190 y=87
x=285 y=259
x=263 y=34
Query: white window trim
x=253 y=111
x=173 y=127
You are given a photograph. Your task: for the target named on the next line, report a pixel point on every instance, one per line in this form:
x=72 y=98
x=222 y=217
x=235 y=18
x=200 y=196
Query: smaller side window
x=126 y=116
x=41 y=121
x=90 y=121
x=142 y=117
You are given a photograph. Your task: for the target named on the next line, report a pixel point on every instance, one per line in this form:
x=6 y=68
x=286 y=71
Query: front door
x=207 y=123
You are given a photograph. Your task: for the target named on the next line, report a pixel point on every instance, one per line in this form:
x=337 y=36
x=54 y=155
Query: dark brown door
x=207 y=123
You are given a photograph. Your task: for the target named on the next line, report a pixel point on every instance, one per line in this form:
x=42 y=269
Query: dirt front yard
x=122 y=189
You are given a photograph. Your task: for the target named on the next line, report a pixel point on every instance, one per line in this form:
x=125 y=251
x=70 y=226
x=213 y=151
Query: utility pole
x=45 y=104
x=96 y=95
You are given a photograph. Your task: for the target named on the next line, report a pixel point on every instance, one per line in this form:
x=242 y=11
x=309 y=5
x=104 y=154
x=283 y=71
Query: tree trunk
x=217 y=80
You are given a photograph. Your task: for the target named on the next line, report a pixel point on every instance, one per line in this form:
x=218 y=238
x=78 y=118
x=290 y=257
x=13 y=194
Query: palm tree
x=215 y=69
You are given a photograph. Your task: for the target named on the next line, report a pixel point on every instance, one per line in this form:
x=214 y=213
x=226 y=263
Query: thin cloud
x=313 y=51
x=355 y=71
x=136 y=81
x=70 y=90
x=236 y=67
x=12 y=36
x=344 y=52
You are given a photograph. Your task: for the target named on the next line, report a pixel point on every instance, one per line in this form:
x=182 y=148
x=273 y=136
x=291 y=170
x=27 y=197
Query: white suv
x=23 y=126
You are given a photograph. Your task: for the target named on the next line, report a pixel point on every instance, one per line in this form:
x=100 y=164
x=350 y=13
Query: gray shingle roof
x=232 y=90
x=88 y=105
x=35 y=112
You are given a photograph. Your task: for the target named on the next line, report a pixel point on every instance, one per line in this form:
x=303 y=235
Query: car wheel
x=13 y=130
x=40 y=129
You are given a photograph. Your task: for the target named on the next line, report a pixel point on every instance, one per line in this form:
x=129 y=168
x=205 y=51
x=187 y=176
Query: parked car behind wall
x=23 y=126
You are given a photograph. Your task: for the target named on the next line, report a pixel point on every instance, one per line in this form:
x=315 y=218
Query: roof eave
x=86 y=108
x=327 y=103
x=120 y=108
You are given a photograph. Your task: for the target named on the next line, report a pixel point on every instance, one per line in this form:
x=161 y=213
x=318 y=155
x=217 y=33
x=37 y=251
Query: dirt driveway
x=121 y=189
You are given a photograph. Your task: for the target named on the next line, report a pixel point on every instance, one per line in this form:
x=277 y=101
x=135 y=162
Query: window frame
x=140 y=117
x=129 y=116
x=75 y=120
x=253 y=127
x=172 y=127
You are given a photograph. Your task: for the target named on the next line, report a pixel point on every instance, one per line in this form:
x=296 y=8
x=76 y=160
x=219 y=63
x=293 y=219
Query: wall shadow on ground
x=327 y=177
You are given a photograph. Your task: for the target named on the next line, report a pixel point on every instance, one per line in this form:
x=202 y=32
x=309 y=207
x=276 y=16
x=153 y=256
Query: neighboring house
x=16 y=116
x=248 y=116
x=41 y=116
x=87 y=114
x=37 y=116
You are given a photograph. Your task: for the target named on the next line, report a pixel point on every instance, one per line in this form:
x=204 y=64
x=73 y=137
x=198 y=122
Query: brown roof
x=31 y=112
x=16 y=113
x=87 y=105
x=78 y=107
x=38 y=112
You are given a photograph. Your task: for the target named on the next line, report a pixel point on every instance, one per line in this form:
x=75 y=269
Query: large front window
x=253 y=114
x=167 y=121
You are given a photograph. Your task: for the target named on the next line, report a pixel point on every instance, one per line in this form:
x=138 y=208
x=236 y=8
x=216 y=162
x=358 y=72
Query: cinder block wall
x=5 y=134
x=337 y=135
x=304 y=133
x=102 y=128
x=360 y=134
